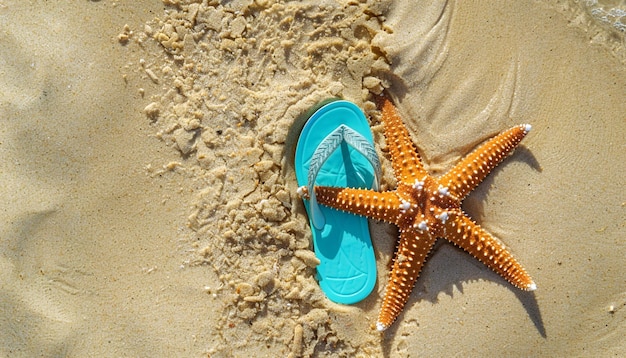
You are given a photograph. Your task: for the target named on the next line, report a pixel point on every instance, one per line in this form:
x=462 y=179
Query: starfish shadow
x=523 y=154
x=474 y=203
x=448 y=268
x=529 y=301
x=451 y=268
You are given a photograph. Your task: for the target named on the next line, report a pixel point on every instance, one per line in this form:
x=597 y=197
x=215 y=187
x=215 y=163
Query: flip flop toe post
x=335 y=148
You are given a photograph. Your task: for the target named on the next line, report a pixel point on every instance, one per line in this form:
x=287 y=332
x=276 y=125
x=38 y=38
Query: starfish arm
x=463 y=232
x=381 y=206
x=405 y=159
x=471 y=171
x=412 y=250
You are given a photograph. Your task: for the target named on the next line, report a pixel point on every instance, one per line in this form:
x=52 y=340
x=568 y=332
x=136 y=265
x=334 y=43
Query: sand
x=149 y=196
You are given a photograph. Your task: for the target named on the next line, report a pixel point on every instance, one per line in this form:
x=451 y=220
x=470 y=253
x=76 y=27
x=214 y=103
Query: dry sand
x=149 y=203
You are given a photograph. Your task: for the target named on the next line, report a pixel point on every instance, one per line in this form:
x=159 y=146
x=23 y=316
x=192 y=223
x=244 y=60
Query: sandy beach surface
x=149 y=203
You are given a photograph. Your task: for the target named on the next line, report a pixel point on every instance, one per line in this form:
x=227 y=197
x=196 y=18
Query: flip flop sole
x=347 y=269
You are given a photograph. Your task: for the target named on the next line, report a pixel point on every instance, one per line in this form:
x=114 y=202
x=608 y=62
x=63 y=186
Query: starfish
x=426 y=208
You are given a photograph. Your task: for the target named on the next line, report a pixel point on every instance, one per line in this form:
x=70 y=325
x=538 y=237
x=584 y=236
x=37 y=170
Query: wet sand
x=150 y=205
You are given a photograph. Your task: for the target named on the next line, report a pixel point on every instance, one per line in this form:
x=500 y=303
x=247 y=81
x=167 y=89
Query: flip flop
x=335 y=148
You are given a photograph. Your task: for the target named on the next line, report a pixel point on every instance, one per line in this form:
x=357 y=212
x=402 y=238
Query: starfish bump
x=425 y=208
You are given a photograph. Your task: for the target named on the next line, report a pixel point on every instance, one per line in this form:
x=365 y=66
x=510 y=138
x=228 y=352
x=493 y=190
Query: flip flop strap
x=323 y=152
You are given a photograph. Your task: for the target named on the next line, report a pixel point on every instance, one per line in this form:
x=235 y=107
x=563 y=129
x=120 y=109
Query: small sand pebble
x=308 y=257
x=264 y=278
x=152 y=110
x=245 y=289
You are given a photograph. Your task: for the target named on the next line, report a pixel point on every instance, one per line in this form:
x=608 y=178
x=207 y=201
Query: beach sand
x=149 y=205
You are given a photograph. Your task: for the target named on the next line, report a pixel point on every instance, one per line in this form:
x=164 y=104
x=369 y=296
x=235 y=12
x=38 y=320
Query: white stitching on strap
x=323 y=152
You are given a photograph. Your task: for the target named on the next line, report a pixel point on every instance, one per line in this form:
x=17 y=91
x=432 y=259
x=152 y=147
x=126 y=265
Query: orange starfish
x=425 y=208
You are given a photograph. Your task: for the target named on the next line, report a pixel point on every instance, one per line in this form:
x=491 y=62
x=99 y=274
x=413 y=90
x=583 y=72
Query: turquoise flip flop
x=335 y=148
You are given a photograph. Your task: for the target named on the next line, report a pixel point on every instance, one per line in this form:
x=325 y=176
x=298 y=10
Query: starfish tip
x=527 y=127
x=380 y=327
x=532 y=287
